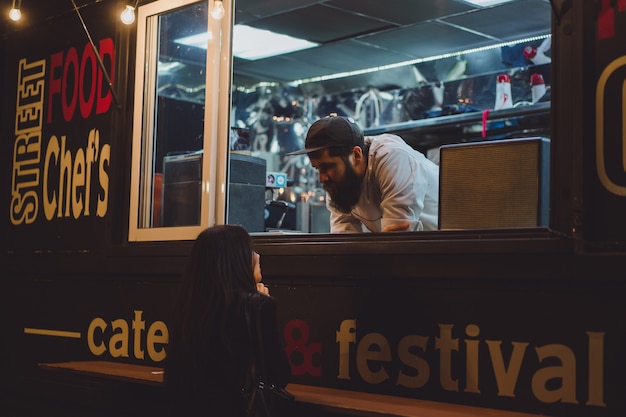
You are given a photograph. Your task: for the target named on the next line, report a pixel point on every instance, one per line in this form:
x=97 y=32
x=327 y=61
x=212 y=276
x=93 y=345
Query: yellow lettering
x=118 y=344
x=566 y=373
x=138 y=326
x=96 y=324
x=419 y=364
x=345 y=336
x=78 y=182
x=103 y=202
x=27 y=146
x=50 y=204
x=24 y=208
x=365 y=354
x=596 y=369
x=65 y=177
x=157 y=336
x=506 y=378
x=91 y=156
x=445 y=344
x=471 y=359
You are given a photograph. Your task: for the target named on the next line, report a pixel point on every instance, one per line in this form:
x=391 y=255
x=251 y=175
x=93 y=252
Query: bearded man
x=376 y=183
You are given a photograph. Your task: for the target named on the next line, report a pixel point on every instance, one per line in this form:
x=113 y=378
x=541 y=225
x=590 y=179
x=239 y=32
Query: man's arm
x=397 y=227
x=342 y=222
x=403 y=182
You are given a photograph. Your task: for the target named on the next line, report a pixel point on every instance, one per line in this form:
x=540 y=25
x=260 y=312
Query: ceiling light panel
x=487 y=3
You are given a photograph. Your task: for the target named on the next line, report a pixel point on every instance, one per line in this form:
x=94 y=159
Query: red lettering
x=56 y=61
x=88 y=61
x=300 y=352
x=107 y=49
x=606 y=21
x=606 y=18
x=80 y=81
x=71 y=63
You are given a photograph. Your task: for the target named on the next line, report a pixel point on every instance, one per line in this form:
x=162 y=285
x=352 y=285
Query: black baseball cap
x=329 y=132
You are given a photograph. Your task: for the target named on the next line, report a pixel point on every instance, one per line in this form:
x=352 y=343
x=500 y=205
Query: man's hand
x=398 y=227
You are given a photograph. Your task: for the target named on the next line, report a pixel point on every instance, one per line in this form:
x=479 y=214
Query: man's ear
x=358 y=160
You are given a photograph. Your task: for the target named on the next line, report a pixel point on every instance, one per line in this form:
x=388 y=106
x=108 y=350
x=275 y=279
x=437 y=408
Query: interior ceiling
x=354 y=34
x=362 y=34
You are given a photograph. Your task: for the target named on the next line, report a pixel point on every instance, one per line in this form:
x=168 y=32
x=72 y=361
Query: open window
x=212 y=128
x=428 y=71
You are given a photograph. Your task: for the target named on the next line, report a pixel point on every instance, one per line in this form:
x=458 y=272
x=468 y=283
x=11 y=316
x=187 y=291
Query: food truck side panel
x=511 y=321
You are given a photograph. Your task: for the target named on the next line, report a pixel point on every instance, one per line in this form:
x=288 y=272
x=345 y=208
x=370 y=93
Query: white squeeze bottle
x=537 y=87
x=504 y=100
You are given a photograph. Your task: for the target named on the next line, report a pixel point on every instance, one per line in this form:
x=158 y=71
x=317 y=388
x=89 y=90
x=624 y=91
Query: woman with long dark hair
x=210 y=350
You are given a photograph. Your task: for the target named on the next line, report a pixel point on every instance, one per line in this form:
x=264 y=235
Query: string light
x=15 y=13
x=128 y=15
x=218 y=10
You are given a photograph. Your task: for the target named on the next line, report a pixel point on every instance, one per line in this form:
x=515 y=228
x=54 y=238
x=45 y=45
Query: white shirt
x=400 y=185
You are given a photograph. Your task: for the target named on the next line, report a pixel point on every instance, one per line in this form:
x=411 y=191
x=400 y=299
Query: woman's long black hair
x=219 y=276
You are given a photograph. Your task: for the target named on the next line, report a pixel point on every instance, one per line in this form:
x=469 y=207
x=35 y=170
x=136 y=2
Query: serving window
x=213 y=126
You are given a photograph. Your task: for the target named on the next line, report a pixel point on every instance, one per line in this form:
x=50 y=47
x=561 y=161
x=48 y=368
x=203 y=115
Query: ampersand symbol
x=300 y=353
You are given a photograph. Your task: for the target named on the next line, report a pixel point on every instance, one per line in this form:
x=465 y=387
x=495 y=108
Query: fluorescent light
x=251 y=43
x=169 y=66
x=199 y=40
x=486 y=3
x=415 y=61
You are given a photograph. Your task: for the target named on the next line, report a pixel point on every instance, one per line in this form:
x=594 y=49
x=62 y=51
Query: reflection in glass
x=177 y=112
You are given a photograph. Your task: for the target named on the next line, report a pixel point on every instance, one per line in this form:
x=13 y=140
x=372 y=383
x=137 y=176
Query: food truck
x=121 y=141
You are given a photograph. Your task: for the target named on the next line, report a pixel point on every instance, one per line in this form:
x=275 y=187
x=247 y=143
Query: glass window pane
x=168 y=139
x=443 y=88
x=179 y=118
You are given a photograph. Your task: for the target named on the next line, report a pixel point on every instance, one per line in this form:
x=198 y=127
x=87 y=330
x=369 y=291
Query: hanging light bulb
x=218 y=10
x=15 y=14
x=128 y=15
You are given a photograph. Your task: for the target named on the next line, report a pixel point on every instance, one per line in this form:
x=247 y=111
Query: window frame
x=213 y=196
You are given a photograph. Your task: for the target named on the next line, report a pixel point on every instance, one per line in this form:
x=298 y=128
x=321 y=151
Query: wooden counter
x=327 y=399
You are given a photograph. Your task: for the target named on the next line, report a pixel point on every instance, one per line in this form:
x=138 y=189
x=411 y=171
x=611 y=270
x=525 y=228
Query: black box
x=182 y=182
x=246 y=192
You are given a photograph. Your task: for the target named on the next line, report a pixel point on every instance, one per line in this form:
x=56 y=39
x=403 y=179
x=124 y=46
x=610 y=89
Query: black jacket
x=216 y=390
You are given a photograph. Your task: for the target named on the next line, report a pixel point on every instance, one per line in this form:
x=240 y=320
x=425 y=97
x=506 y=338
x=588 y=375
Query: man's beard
x=345 y=194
